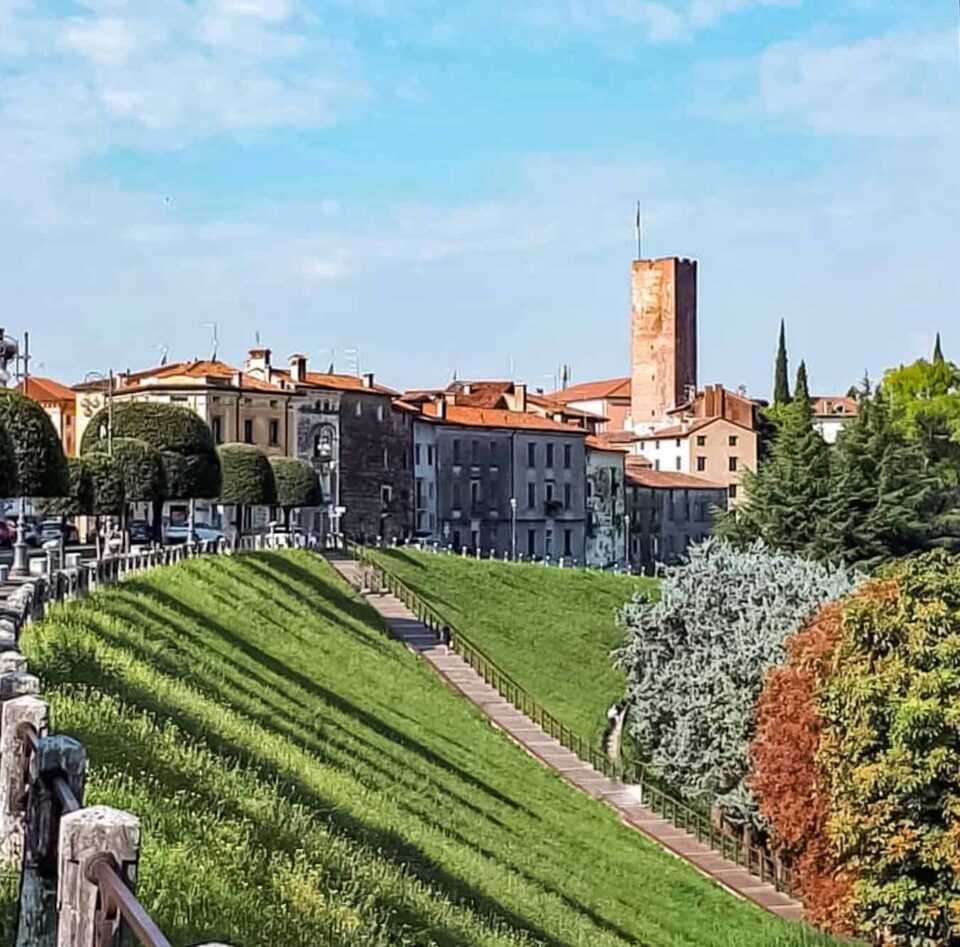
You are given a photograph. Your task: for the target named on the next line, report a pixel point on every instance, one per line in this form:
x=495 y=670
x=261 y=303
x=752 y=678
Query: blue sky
x=450 y=186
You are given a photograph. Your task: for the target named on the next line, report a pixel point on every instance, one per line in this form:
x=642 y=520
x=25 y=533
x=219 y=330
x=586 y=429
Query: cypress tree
x=801 y=390
x=938 y=358
x=781 y=383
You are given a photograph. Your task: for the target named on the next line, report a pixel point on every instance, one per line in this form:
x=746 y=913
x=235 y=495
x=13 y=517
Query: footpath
x=522 y=730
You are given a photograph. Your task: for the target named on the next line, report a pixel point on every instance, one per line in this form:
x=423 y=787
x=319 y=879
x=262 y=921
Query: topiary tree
x=695 y=661
x=883 y=754
x=247 y=478
x=8 y=465
x=191 y=467
x=78 y=501
x=106 y=479
x=40 y=466
x=297 y=485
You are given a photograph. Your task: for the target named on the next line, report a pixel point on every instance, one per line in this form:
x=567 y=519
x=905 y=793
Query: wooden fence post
x=13 y=771
x=89 y=835
x=55 y=756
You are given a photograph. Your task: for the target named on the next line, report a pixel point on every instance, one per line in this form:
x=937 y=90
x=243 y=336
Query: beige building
x=60 y=404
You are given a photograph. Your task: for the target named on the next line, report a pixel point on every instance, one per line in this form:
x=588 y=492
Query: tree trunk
x=158 y=521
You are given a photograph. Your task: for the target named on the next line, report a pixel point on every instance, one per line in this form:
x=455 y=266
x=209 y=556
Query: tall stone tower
x=663 y=338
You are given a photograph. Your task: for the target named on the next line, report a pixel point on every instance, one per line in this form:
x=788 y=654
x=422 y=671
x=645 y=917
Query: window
x=456 y=539
x=567 y=495
x=549 y=491
x=418 y=492
x=589 y=489
x=475 y=451
x=379 y=412
x=273 y=403
x=548 y=543
x=679 y=463
x=701 y=440
x=568 y=542
x=456 y=451
x=531 y=495
x=732 y=463
x=531 y=542
x=274 y=432
x=416 y=454
x=733 y=491
x=656 y=464
x=474 y=493
x=549 y=455
x=732 y=440
x=359 y=409
x=216 y=425
x=475 y=538
x=656 y=445
x=386 y=459
x=429 y=455
x=567 y=456
x=248 y=431
x=386 y=493
x=531 y=455
x=701 y=464
x=456 y=496
x=493 y=452
x=678 y=442
x=431 y=489
x=406 y=460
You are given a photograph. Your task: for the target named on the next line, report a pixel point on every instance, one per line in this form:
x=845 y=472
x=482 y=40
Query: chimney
x=258 y=360
x=519 y=396
x=368 y=379
x=298 y=368
x=441 y=404
x=237 y=379
x=467 y=389
x=449 y=397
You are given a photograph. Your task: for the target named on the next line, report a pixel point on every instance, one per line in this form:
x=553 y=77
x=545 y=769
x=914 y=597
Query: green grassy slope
x=304 y=781
x=552 y=630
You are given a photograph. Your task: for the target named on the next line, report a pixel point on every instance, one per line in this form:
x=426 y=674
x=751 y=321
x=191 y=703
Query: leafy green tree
x=785 y=500
x=247 y=478
x=8 y=465
x=297 y=485
x=106 y=479
x=78 y=500
x=883 y=501
x=781 y=384
x=41 y=468
x=141 y=467
x=696 y=659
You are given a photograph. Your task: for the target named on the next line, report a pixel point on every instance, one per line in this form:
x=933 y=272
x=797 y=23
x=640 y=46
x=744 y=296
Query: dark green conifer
x=781 y=383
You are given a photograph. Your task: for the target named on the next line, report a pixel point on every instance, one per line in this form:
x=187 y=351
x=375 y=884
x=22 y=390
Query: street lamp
x=108 y=378
x=626 y=540
x=513 y=529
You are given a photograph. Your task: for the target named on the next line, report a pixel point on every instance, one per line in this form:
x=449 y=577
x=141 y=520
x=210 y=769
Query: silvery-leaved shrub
x=696 y=658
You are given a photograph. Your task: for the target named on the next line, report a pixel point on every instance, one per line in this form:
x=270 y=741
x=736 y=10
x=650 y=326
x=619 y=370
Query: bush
x=297 y=483
x=247 y=476
x=106 y=480
x=191 y=467
x=867 y=799
x=695 y=661
x=41 y=468
x=8 y=466
x=78 y=500
x=141 y=469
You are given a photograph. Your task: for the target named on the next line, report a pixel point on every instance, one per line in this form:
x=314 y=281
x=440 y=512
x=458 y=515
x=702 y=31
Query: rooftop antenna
x=163 y=352
x=216 y=338
x=513 y=368
x=353 y=362
x=638 y=229
x=256 y=336
x=565 y=373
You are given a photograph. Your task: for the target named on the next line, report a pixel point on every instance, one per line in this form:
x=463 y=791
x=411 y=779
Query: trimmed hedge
x=141 y=469
x=8 y=466
x=190 y=463
x=78 y=500
x=41 y=468
x=247 y=476
x=106 y=479
x=297 y=483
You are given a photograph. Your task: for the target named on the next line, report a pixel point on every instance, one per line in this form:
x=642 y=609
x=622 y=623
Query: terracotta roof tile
x=598 y=443
x=594 y=391
x=182 y=374
x=668 y=480
x=497 y=417
x=826 y=406
x=45 y=389
x=338 y=382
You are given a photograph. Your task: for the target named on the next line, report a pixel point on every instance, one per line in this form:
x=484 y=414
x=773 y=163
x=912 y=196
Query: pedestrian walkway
x=420 y=639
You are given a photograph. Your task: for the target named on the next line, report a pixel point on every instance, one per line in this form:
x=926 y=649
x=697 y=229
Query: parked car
x=31 y=532
x=139 y=531
x=6 y=535
x=51 y=529
x=201 y=533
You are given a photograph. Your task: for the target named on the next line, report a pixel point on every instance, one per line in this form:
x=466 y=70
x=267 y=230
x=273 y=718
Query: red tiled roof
x=668 y=480
x=45 y=389
x=199 y=371
x=594 y=391
x=825 y=406
x=598 y=443
x=497 y=417
x=338 y=382
x=550 y=403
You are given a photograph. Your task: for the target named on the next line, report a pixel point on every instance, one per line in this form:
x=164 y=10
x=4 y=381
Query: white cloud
x=898 y=85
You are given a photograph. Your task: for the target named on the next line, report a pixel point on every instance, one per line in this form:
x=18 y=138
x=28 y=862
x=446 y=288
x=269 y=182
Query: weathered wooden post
x=90 y=840
x=60 y=757
x=17 y=712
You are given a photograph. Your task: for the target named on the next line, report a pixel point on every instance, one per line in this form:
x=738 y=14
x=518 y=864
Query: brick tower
x=663 y=338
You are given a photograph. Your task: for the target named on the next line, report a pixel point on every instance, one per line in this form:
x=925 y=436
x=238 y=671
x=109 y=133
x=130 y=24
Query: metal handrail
x=114 y=893
x=758 y=861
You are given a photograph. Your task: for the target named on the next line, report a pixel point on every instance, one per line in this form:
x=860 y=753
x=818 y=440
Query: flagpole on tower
x=638 y=227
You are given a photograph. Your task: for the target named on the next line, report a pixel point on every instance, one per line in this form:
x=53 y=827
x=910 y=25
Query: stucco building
x=60 y=404
x=606 y=525
x=830 y=414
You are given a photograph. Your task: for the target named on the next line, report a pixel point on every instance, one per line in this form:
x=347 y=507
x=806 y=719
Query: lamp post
x=20 y=566
x=108 y=378
x=626 y=540
x=513 y=529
